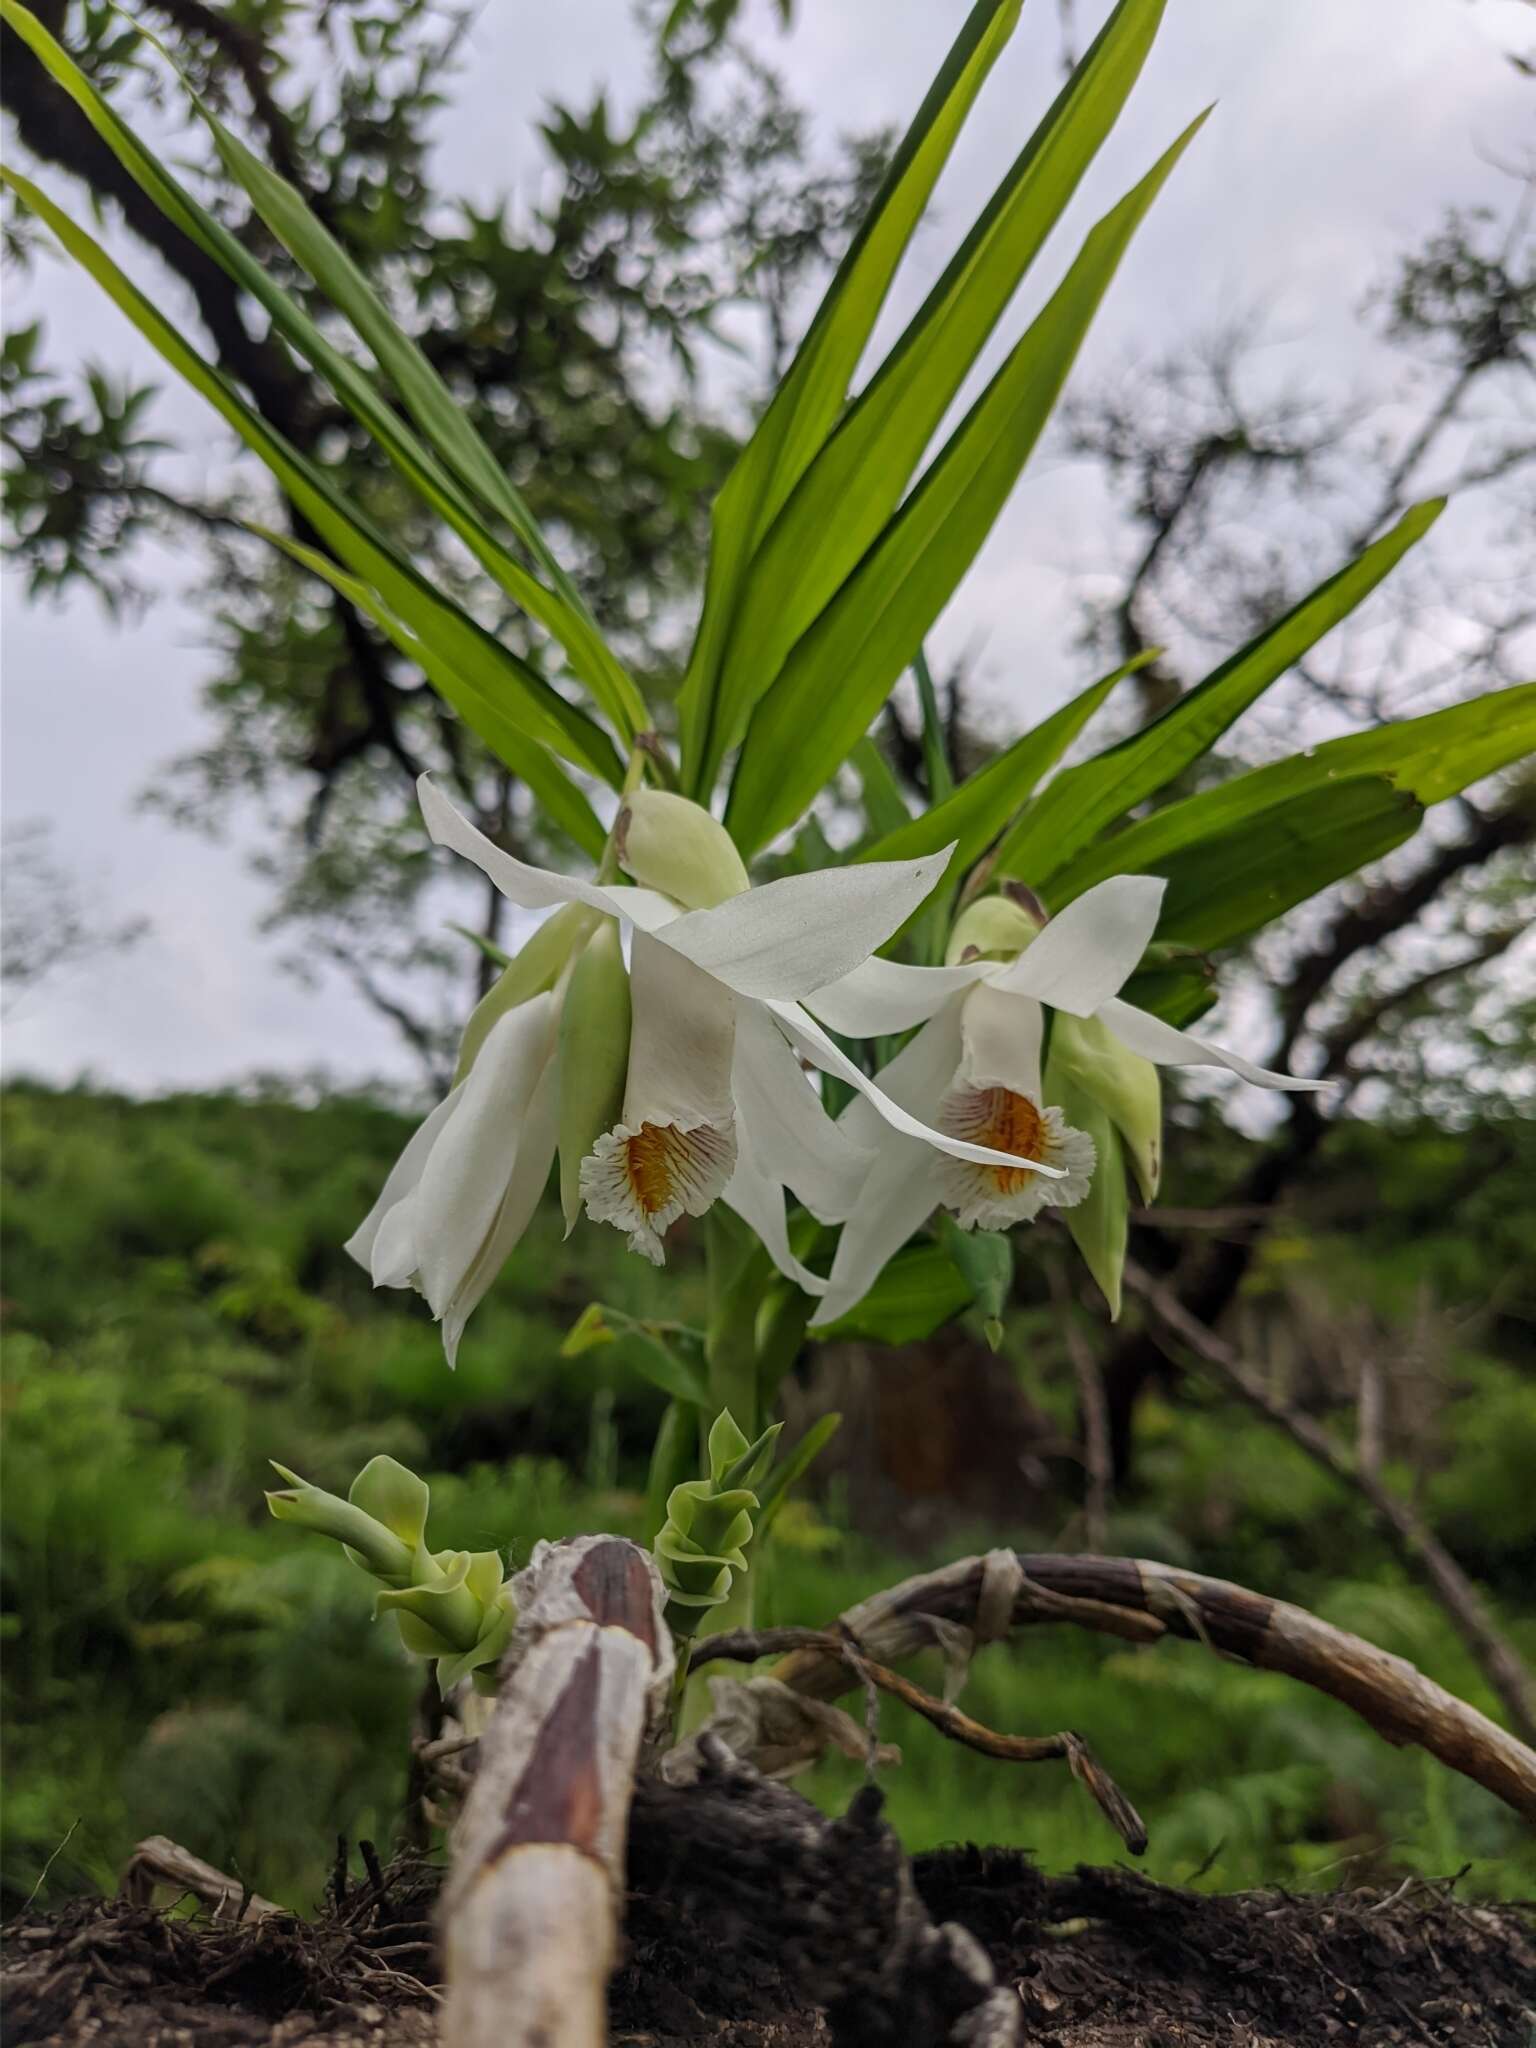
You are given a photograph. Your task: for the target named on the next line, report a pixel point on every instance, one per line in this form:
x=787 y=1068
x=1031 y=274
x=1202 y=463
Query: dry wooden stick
x=530 y=1907
x=158 y=1863
x=1415 y=1542
x=1144 y=1601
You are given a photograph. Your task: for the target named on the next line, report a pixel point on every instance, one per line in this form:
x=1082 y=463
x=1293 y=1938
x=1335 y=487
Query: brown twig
x=1418 y=1546
x=1013 y=1749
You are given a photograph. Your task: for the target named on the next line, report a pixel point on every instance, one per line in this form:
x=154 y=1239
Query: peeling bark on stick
x=530 y=1909
x=1144 y=1601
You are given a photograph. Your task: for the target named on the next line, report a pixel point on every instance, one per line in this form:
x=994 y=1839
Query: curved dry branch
x=1144 y=1601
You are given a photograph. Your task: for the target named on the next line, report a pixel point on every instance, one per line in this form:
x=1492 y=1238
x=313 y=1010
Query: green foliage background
x=179 y=1310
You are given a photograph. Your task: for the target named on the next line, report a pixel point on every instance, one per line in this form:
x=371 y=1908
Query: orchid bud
x=702 y=1544
x=368 y=1541
x=594 y=1057
x=671 y=844
x=536 y=968
x=1126 y=1086
x=994 y=928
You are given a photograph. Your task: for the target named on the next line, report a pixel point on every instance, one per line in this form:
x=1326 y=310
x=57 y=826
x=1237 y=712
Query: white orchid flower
x=974 y=1069
x=716 y=1102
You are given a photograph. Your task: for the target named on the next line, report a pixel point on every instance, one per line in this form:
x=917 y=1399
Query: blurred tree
x=1391 y=987
x=572 y=329
x=46 y=919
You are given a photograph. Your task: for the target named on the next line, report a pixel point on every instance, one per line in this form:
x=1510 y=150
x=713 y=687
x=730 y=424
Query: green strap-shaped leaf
x=557 y=796
x=525 y=698
x=918 y=1292
x=885 y=809
x=812 y=394
x=1082 y=802
x=562 y=610
x=1235 y=880
x=1432 y=758
x=843 y=668
x=985 y=801
x=845 y=497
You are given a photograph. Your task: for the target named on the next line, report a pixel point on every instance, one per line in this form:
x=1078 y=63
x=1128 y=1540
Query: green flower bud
x=991 y=929
x=369 y=1542
x=536 y=968
x=594 y=1056
x=1123 y=1084
x=669 y=843
x=703 y=1541
x=1099 y=1222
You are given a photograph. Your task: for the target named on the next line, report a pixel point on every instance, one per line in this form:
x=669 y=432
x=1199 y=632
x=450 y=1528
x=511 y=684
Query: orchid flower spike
x=665 y=1091
x=974 y=1069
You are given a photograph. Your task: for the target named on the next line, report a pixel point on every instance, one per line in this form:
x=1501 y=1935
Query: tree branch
x=1410 y=1536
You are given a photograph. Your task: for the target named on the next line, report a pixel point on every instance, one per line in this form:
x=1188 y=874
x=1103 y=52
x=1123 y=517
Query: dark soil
x=1099 y=1959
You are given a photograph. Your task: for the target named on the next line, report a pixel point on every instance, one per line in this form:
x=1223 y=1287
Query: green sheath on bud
x=594 y=1056
x=1099 y=1222
x=992 y=929
x=393 y=1495
x=1123 y=1084
x=536 y=968
x=703 y=1541
x=669 y=843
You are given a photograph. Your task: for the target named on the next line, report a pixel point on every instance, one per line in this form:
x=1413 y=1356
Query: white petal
x=1001 y=1036
x=675 y=1146
x=1088 y=953
x=887 y=995
x=782 y=1123
x=805 y=1032
x=1155 y=1040
x=915 y=1080
x=522 y=883
x=901 y=1193
x=805 y=931
x=682 y=1039
x=758 y=1199
x=530 y=1175
x=403 y=1176
x=466 y=1177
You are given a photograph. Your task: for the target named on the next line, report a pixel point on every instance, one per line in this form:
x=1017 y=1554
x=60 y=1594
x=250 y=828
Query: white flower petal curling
x=881 y=996
x=675 y=1148
x=820 y=1050
x=901 y=1194
x=466 y=1175
x=798 y=934
x=781 y=1119
x=530 y=1176
x=1088 y=952
x=1158 y=1041
x=402 y=1179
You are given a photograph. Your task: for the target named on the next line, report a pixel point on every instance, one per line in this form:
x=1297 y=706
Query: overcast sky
x=1342 y=129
